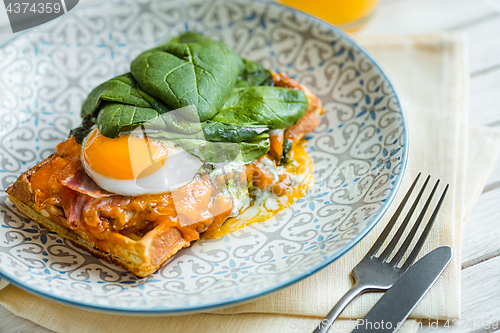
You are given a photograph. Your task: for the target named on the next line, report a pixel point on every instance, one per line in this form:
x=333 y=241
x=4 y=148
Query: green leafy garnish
x=273 y=107
x=254 y=75
x=115 y=117
x=189 y=70
x=121 y=89
x=216 y=131
x=198 y=93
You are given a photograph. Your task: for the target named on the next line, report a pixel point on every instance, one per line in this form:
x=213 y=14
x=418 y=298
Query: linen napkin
x=430 y=73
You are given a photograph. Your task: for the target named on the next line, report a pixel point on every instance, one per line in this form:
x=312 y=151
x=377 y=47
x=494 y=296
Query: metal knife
x=390 y=312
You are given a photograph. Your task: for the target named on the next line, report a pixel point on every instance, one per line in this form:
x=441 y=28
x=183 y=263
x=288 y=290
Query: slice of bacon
x=82 y=183
x=77 y=204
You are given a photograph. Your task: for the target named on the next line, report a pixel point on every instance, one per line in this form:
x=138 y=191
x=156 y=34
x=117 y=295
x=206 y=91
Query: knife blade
x=390 y=312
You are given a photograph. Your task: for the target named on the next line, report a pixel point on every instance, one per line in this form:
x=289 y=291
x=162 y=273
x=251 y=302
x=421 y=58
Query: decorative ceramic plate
x=359 y=151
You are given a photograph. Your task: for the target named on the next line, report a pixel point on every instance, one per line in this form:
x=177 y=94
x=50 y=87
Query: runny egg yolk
x=124 y=157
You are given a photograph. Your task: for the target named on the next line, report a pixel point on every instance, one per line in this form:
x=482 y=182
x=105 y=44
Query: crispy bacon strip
x=82 y=183
x=77 y=205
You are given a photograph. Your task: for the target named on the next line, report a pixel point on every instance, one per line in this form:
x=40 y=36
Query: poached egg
x=131 y=165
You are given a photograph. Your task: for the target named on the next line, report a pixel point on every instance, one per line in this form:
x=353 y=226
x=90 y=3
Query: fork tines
x=406 y=244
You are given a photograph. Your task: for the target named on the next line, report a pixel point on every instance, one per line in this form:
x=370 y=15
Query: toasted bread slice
x=142 y=257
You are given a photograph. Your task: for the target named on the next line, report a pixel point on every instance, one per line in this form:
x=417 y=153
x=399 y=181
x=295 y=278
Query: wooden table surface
x=480 y=20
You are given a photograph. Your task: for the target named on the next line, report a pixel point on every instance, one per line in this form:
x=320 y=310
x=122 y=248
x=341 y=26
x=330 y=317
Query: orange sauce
x=61 y=165
x=303 y=166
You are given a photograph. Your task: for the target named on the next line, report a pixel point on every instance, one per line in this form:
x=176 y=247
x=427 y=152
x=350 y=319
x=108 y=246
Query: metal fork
x=376 y=273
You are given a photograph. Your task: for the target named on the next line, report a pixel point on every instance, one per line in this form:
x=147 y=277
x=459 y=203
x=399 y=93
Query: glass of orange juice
x=349 y=15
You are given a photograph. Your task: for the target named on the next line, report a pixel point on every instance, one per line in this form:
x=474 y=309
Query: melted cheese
x=266 y=204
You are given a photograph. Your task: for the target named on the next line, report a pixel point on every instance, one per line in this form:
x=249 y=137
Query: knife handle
x=327 y=322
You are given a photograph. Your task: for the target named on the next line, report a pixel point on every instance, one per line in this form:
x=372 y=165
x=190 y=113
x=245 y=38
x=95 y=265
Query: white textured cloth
x=430 y=73
x=3 y=284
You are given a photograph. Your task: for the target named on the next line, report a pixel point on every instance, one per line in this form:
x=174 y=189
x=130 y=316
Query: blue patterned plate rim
x=306 y=273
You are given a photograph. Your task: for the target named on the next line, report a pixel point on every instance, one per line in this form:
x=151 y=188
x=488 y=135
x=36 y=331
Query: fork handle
x=327 y=322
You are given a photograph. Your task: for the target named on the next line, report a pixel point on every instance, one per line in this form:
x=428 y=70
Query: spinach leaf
x=254 y=75
x=157 y=104
x=121 y=89
x=212 y=152
x=273 y=107
x=201 y=146
x=255 y=148
x=115 y=117
x=178 y=120
x=209 y=131
x=219 y=152
x=216 y=131
x=189 y=70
